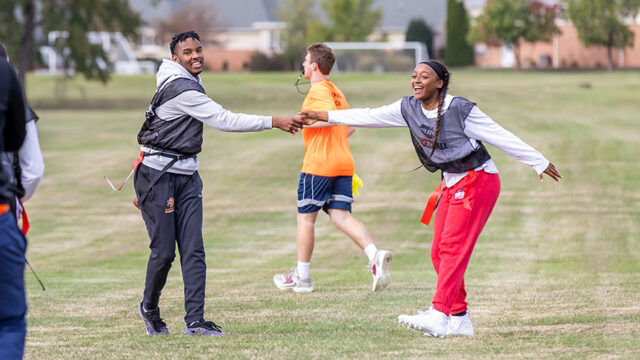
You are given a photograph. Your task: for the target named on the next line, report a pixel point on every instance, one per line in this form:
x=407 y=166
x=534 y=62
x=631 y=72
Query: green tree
x=600 y=22
x=512 y=21
x=21 y=19
x=350 y=20
x=458 y=51
x=301 y=29
x=418 y=30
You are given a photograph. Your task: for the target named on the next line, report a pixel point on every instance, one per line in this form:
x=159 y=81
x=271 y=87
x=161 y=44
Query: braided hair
x=443 y=73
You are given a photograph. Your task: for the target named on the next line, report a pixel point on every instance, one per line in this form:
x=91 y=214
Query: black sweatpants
x=172 y=212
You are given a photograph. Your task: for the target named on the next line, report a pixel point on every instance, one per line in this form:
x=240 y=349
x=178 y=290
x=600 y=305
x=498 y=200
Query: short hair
x=178 y=38
x=322 y=55
x=3 y=52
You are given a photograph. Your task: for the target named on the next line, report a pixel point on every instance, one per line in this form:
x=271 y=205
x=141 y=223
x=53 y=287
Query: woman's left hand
x=552 y=172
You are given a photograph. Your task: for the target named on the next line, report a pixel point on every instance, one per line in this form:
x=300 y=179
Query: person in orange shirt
x=326 y=179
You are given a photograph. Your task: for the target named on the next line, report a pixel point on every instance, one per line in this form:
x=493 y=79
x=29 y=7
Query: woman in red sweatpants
x=448 y=134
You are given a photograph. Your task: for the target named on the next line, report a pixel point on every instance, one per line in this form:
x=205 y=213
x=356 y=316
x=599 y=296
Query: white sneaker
x=380 y=265
x=460 y=325
x=433 y=322
x=292 y=281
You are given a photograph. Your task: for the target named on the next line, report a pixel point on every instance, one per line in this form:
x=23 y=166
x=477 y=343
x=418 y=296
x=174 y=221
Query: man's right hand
x=287 y=123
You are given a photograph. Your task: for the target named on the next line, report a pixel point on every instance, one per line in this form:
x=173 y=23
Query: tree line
x=598 y=22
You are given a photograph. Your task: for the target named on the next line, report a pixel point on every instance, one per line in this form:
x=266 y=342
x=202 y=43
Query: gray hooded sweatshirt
x=200 y=107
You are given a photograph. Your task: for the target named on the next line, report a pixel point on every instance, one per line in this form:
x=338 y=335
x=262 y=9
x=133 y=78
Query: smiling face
x=425 y=83
x=188 y=53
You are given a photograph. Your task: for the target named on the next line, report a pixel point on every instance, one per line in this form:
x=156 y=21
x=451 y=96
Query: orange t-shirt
x=327 y=151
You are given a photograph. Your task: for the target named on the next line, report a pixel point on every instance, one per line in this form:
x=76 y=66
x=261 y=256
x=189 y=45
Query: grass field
x=555 y=274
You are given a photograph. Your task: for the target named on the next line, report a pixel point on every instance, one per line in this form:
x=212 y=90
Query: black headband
x=436 y=66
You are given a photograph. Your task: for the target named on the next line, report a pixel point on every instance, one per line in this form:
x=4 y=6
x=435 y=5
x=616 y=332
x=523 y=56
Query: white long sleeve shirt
x=478 y=127
x=200 y=107
x=31 y=162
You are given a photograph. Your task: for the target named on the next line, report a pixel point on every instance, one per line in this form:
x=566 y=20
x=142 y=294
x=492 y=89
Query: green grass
x=555 y=274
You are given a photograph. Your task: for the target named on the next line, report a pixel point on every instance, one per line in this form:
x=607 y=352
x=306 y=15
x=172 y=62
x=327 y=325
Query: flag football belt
x=174 y=158
x=432 y=203
x=25 y=219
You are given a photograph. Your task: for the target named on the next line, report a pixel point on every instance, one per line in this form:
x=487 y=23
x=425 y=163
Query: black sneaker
x=202 y=327
x=155 y=325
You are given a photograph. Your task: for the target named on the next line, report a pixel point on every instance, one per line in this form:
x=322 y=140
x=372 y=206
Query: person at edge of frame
x=13 y=244
x=27 y=163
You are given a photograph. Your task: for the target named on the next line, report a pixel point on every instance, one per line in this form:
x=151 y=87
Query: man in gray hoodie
x=168 y=187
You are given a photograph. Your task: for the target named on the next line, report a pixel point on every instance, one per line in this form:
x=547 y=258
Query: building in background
x=247 y=27
x=565 y=50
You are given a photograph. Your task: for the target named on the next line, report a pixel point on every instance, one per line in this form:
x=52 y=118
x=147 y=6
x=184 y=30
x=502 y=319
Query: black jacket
x=12 y=123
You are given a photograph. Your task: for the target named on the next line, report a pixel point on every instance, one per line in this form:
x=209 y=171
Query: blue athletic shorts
x=321 y=192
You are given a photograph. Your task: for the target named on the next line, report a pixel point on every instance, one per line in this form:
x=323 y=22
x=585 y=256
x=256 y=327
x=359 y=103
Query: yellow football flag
x=356 y=183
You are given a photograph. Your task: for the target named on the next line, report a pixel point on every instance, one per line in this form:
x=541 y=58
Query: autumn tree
x=601 y=22
x=199 y=17
x=513 y=21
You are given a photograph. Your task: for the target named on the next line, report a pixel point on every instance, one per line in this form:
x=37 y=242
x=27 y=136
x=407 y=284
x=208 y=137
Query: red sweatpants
x=462 y=212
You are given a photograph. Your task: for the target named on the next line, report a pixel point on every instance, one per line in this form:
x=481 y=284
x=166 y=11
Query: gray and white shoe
x=432 y=323
x=460 y=325
x=154 y=323
x=380 y=265
x=293 y=282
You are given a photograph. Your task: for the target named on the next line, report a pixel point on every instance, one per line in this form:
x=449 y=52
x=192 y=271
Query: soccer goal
x=377 y=56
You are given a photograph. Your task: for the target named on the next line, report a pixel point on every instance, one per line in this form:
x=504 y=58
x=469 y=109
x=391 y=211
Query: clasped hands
x=292 y=124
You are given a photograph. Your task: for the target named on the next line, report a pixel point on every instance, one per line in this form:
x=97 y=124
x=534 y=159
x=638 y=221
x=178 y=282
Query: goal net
x=377 y=56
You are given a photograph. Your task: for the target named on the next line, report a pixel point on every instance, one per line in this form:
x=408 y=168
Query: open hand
x=552 y=172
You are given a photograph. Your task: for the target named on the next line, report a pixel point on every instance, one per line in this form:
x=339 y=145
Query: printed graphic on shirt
x=170 y=206
x=459 y=195
x=427 y=140
x=336 y=99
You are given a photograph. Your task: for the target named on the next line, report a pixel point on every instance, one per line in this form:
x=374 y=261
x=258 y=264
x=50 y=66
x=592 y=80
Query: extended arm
x=384 y=116
x=481 y=127
x=201 y=107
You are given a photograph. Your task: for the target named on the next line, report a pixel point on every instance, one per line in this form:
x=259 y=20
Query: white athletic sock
x=370 y=250
x=303 y=270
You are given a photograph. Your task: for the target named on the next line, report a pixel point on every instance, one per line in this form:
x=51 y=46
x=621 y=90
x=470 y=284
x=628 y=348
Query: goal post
x=377 y=56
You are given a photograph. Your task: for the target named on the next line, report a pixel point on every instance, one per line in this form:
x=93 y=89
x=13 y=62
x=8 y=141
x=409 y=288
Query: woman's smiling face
x=425 y=82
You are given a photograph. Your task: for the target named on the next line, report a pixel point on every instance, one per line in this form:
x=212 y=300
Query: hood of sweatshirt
x=170 y=70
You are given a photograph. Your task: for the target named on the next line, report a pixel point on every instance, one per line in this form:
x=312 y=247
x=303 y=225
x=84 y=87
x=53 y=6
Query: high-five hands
x=287 y=123
x=310 y=117
x=292 y=124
